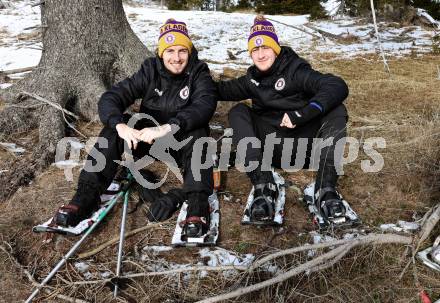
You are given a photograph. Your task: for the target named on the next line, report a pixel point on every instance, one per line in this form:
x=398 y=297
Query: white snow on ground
x=217 y=33
x=12 y=147
x=157 y=249
x=222 y=257
x=401 y=226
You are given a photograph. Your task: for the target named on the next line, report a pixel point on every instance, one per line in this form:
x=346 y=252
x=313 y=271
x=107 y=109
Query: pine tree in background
x=300 y=7
x=244 y=4
x=395 y=10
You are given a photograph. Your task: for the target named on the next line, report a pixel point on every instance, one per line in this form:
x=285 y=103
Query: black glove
x=198 y=205
x=303 y=115
x=164 y=207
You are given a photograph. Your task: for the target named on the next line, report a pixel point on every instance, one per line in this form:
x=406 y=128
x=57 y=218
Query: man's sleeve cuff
x=113 y=121
x=317 y=105
x=175 y=122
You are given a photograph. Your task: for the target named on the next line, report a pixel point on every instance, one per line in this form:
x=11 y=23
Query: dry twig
x=116 y=240
x=31 y=279
x=167 y=272
x=57 y=106
x=320 y=262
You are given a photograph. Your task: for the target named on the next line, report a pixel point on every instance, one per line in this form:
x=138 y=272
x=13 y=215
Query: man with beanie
x=177 y=90
x=292 y=100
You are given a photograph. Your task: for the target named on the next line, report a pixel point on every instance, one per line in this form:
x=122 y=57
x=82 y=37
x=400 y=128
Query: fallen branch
x=433 y=217
x=280 y=278
x=38 y=3
x=116 y=240
x=369 y=239
x=429 y=225
x=17 y=71
x=36 y=26
x=296 y=27
x=333 y=256
x=57 y=106
x=166 y=272
x=323 y=32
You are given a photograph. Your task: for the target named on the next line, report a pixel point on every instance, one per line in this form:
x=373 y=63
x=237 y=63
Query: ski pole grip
x=126 y=185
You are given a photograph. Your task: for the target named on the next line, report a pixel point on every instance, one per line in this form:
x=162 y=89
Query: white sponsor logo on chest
x=280 y=84
x=184 y=92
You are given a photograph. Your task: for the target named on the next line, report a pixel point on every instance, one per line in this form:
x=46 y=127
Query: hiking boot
x=82 y=206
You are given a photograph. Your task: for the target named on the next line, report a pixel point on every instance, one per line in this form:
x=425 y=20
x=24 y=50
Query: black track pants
x=115 y=148
x=326 y=129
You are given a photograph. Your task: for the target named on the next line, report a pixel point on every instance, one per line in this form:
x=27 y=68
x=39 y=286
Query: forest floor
x=401 y=107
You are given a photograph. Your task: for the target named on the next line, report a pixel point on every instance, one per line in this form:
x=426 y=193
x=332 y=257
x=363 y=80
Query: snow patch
x=157 y=249
x=81 y=266
x=68 y=164
x=222 y=257
x=5 y=85
x=401 y=226
x=12 y=147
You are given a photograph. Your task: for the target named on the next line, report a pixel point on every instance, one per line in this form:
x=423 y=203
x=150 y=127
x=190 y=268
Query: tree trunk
x=87 y=46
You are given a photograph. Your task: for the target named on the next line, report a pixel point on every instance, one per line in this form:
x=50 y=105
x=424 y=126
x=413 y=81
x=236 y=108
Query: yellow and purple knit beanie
x=263 y=33
x=173 y=33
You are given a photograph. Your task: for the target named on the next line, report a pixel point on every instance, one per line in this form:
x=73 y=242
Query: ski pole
x=121 y=241
x=75 y=247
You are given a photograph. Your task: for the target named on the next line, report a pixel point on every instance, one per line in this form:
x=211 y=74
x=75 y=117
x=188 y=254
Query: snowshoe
x=197 y=231
x=334 y=213
x=265 y=204
x=66 y=222
x=431 y=256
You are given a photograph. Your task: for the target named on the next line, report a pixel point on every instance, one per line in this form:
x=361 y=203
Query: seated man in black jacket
x=292 y=100
x=176 y=89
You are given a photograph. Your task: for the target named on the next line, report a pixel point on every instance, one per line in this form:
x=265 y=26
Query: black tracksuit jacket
x=187 y=100
x=291 y=86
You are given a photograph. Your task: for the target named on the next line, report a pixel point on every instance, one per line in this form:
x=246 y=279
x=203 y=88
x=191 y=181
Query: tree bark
x=87 y=46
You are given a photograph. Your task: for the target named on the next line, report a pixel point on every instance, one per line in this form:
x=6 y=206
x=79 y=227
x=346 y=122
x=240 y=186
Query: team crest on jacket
x=184 y=92
x=279 y=85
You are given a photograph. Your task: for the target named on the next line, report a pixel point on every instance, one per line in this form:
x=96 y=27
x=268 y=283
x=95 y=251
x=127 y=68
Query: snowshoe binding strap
x=263 y=205
x=194 y=227
x=330 y=208
x=66 y=215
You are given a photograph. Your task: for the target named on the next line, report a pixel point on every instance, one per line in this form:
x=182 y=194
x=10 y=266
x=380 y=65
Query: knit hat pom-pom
x=170 y=20
x=259 y=18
